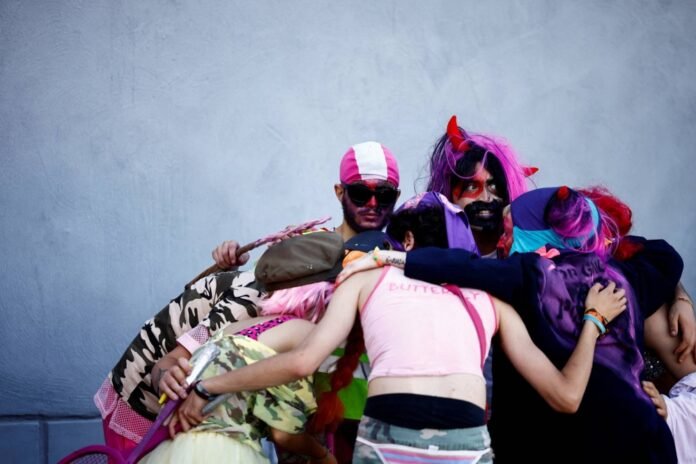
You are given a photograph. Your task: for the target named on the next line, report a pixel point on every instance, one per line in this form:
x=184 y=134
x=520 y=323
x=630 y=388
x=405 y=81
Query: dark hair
x=466 y=167
x=443 y=180
x=426 y=224
x=428 y=227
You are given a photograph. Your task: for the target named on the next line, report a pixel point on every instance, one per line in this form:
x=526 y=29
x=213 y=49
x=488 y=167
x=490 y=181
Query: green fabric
x=353 y=396
x=246 y=416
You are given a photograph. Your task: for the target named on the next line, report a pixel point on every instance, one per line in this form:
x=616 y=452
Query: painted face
x=482 y=187
x=374 y=202
x=481 y=200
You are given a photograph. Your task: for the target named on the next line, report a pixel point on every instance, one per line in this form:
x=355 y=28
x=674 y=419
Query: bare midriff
x=466 y=387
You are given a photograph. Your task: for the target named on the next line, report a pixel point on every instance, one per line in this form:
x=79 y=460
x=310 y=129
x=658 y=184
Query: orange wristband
x=598 y=315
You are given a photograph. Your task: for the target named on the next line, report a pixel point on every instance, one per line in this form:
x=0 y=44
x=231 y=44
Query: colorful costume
x=234 y=430
x=394 y=308
x=127 y=400
x=405 y=427
x=616 y=421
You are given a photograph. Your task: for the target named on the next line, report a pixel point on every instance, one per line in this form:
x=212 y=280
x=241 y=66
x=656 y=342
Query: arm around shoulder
x=306 y=357
x=562 y=389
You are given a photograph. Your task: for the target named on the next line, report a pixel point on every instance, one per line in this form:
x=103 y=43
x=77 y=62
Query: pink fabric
x=475 y=318
x=194 y=338
x=122 y=425
x=550 y=253
x=256 y=330
x=114 y=440
x=369 y=160
x=428 y=313
x=118 y=417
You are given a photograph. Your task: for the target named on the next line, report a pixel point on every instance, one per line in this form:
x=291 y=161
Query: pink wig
x=306 y=301
x=571 y=216
x=456 y=144
x=515 y=175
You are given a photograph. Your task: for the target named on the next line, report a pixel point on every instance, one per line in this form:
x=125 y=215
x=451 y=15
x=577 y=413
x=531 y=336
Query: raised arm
x=504 y=279
x=225 y=255
x=285 y=367
x=563 y=389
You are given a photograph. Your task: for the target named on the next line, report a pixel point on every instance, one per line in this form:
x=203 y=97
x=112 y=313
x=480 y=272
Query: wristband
x=602 y=329
x=685 y=299
x=201 y=391
x=598 y=315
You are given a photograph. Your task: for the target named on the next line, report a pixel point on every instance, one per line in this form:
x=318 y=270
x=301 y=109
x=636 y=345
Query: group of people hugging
x=489 y=322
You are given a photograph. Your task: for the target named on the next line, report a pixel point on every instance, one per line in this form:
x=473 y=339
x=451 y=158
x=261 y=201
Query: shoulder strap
x=475 y=318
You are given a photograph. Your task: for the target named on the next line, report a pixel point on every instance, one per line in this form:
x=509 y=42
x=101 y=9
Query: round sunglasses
x=361 y=194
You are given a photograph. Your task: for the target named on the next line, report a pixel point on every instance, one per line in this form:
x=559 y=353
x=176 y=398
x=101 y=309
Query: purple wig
x=450 y=149
x=569 y=221
x=563 y=218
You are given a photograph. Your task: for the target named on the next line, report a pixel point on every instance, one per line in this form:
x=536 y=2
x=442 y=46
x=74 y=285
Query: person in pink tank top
x=426 y=345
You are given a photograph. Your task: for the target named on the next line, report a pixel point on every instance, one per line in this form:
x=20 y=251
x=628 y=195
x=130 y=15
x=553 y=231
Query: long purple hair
x=567 y=279
x=569 y=214
x=446 y=162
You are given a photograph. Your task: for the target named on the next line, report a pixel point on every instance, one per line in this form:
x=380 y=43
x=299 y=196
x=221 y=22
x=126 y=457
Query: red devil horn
x=563 y=193
x=455 y=136
x=529 y=171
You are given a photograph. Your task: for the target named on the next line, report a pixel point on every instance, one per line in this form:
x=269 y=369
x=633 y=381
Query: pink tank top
x=413 y=328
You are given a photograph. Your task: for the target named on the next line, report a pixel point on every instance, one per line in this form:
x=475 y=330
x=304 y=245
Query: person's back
x=613 y=406
x=410 y=350
x=551 y=305
x=549 y=296
x=234 y=428
x=432 y=414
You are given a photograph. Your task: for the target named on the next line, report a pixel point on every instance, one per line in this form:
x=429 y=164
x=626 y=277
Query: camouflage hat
x=301 y=260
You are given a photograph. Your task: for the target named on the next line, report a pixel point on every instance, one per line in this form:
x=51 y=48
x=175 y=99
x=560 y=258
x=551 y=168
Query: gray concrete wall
x=135 y=136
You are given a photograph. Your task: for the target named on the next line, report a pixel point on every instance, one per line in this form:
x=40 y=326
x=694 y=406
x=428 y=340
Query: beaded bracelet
x=375 y=256
x=595 y=321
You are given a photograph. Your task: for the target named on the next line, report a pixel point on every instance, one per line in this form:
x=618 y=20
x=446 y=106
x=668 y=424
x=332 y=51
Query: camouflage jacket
x=247 y=416
x=212 y=302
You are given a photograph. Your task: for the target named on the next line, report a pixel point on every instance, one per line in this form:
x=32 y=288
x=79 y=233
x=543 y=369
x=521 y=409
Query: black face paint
x=485 y=216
